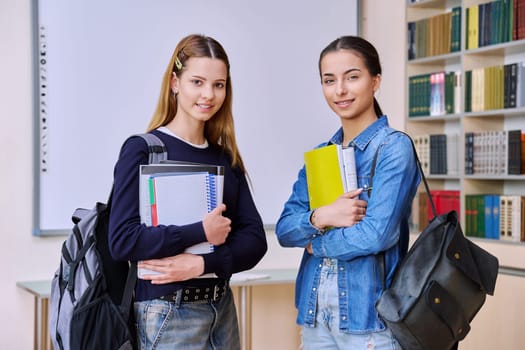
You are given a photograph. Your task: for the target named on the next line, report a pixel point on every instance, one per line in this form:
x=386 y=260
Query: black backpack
x=90 y=305
x=439 y=286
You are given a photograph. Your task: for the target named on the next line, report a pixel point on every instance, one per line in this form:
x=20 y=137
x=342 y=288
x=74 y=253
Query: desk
x=274 y=276
x=41 y=290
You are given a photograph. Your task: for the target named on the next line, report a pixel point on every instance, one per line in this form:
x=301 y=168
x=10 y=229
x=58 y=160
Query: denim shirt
x=383 y=229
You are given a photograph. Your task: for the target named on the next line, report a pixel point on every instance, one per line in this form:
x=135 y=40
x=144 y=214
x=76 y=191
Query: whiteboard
x=98 y=71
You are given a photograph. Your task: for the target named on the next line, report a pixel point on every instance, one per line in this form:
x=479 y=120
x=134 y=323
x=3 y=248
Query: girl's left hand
x=176 y=268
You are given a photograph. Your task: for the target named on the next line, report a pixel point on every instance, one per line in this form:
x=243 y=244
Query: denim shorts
x=204 y=325
x=326 y=334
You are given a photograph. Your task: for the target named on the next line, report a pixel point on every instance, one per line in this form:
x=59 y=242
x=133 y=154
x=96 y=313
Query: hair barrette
x=178 y=63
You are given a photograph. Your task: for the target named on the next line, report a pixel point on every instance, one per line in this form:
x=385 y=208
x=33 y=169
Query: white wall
x=22 y=256
x=383 y=24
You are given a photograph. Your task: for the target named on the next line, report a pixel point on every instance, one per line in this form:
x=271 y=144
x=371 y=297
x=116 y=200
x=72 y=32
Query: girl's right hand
x=216 y=226
x=346 y=210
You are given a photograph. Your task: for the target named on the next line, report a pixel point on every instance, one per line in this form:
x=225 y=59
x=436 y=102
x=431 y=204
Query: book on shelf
x=457 y=92
x=330 y=172
x=437 y=93
x=520 y=79
x=511 y=217
x=179 y=193
x=519 y=20
x=413 y=219
x=522 y=219
x=511 y=85
x=438 y=154
x=514 y=152
x=472 y=27
x=422 y=213
x=455 y=32
x=422 y=145
x=522 y=151
x=452 y=163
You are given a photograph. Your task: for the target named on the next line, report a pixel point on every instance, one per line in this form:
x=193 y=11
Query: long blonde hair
x=219 y=130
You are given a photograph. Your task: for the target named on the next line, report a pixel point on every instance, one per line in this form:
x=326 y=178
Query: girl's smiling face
x=347 y=84
x=201 y=88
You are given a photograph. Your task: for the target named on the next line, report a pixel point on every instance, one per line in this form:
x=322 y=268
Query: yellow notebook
x=330 y=172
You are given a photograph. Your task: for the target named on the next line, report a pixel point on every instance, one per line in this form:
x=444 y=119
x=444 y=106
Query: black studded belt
x=213 y=292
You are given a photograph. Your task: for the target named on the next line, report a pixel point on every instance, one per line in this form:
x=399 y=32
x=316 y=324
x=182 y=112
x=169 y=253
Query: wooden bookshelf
x=500 y=51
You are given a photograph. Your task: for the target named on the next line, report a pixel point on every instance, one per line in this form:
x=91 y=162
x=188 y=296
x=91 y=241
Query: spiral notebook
x=179 y=194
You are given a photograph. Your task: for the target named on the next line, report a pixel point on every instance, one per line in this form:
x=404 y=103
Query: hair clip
x=178 y=63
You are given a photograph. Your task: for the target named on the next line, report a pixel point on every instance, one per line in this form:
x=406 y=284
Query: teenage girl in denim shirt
x=339 y=282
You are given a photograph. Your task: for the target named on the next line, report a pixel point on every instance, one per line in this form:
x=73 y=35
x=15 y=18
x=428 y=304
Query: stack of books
x=179 y=193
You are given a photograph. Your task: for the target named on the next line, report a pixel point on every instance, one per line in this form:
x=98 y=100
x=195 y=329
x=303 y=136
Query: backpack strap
x=156 y=148
x=157 y=153
x=381 y=256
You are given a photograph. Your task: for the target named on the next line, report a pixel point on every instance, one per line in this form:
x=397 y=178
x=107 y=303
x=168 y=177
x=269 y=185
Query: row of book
x=486 y=24
x=492 y=216
x=495 y=22
x=496 y=152
x=495 y=216
x=436 y=35
x=444 y=201
x=438 y=153
x=434 y=94
x=496 y=87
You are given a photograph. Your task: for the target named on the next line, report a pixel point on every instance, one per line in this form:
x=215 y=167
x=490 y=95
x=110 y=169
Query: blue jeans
x=326 y=334
x=204 y=325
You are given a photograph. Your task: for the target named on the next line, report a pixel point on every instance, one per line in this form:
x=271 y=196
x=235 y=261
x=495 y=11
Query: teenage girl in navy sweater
x=175 y=308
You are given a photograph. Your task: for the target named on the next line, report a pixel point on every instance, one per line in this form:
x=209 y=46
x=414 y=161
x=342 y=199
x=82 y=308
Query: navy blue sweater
x=133 y=241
